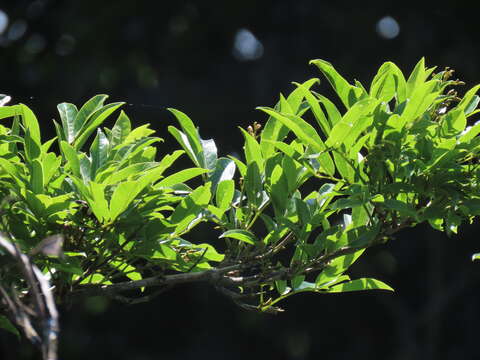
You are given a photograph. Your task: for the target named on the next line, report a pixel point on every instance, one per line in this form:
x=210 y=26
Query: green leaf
x=138 y=133
x=224 y=170
x=468 y=98
x=185 y=144
x=211 y=254
x=7 y=325
x=348 y=94
x=355 y=121
x=253 y=152
x=180 y=177
x=416 y=78
x=11 y=170
x=334 y=115
x=242 y=235
x=275 y=130
x=307 y=134
x=316 y=109
x=59 y=132
x=454 y=122
x=36 y=177
x=94 y=121
x=254 y=184
x=224 y=194
x=98 y=152
x=281 y=286
x=297 y=282
x=403 y=208
x=472 y=105
x=85 y=167
x=120 y=130
x=31 y=125
x=9 y=111
x=122 y=197
x=128 y=172
x=242 y=168
x=383 y=85
x=300 y=127
x=32 y=148
x=86 y=111
x=95 y=279
x=190 y=207
x=296 y=96
x=191 y=138
x=71 y=156
x=68 y=113
x=51 y=164
x=279 y=190
x=209 y=151
x=421 y=99
x=98 y=203
x=336 y=267
x=360 y=285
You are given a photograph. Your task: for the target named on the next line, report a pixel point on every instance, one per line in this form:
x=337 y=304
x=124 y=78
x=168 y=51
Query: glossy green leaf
x=454 y=122
x=300 y=127
x=94 y=121
x=242 y=168
x=402 y=207
x=31 y=125
x=296 y=96
x=320 y=117
x=190 y=207
x=420 y=100
x=360 y=285
x=347 y=93
x=32 y=148
x=253 y=152
x=68 y=113
x=98 y=202
x=36 y=177
x=224 y=194
x=98 y=152
x=134 y=170
x=353 y=123
x=279 y=190
x=224 y=170
x=121 y=129
x=139 y=133
x=86 y=111
x=51 y=164
x=71 y=157
x=383 y=85
x=180 y=177
x=12 y=171
x=416 y=78
x=254 y=184
x=209 y=153
x=191 y=138
x=122 y=197
x=241 y=235
x=275 y=130
x=183 y=140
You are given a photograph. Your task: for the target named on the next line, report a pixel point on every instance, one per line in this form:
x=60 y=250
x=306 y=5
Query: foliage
x=292 y=216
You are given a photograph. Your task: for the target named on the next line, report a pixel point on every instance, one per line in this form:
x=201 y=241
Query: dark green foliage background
x=133 y=52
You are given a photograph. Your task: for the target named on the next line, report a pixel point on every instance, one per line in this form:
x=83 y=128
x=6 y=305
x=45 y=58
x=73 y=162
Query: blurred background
x=217 y=61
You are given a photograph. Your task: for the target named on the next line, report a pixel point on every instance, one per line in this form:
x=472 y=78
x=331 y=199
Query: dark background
x=190 y=55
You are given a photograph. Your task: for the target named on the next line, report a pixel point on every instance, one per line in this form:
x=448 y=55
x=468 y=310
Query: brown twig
x=42 y=297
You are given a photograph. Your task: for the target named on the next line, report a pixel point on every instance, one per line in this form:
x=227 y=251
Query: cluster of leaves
x=293 y=215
